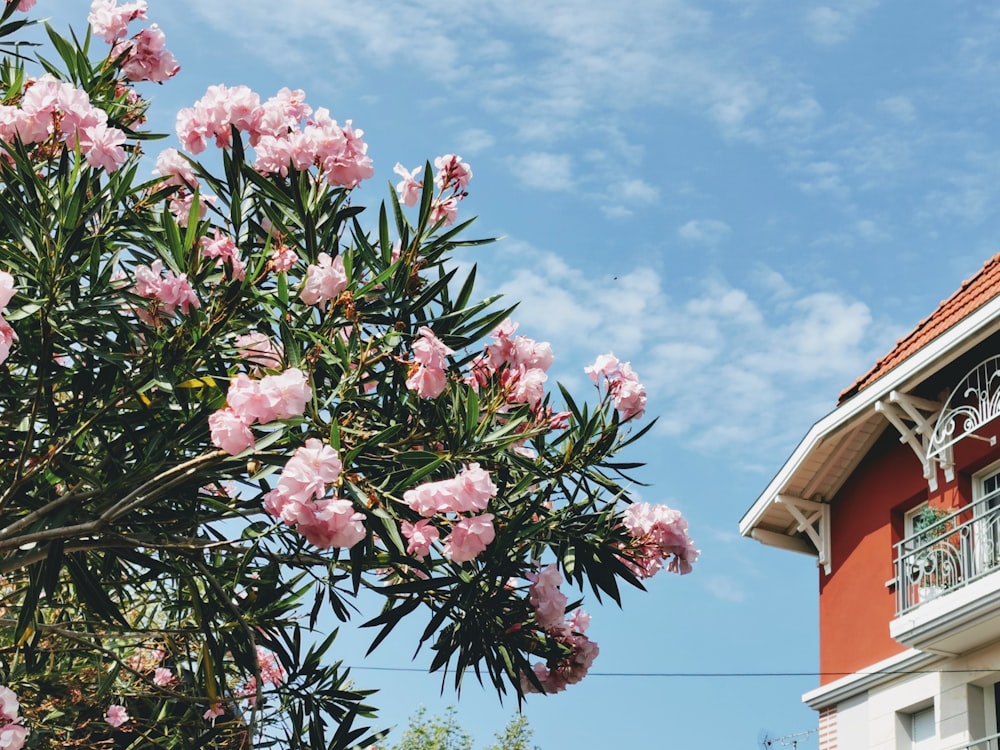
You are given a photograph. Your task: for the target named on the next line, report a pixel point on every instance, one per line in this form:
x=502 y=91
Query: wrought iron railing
x=948 y=554
x=986 y=743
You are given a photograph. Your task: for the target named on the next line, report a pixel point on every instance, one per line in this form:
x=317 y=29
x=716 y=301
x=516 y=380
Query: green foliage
x=445 y=733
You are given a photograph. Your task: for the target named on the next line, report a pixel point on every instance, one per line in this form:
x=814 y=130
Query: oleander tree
x=232 y=399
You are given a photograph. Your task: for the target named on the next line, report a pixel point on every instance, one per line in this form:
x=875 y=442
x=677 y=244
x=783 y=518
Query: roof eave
x=958 y=339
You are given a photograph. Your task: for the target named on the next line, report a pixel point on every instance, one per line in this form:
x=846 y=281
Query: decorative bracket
x=901 y=409
x=974 y=402
x=814 y=519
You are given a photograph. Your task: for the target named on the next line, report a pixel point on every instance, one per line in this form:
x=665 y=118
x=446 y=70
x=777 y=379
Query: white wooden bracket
x=814 y=519
x=915 y=418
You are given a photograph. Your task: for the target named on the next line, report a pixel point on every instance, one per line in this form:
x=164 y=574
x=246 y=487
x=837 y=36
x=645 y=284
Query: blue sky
x=751 y=200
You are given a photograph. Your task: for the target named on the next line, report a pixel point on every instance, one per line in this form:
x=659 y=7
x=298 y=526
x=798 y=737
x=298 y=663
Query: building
x=897 y=494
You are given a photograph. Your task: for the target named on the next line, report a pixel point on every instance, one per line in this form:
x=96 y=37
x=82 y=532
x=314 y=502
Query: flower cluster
x=276 y=131
x=451 y=179
x=427 y=372
x=623 y=384
x=325 y=280
x=578 y=651
x=271 y=673
x=299 y=499
x=522 y=363
x=7 y=335
x=546 y=598
x=144 y=56
x=13 y=733
x=167 y=290
x=262 y=400
x=659 y=533
x=222 y=248
x=468 y=492
x=52 y=108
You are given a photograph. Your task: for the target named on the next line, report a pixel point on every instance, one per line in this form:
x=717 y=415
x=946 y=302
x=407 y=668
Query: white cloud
x=638 y=191
x=726 y=588
x=704 y=231
x=474 y=141
x=830 y=25
x=900 y=107
x=724 y=365
x=543 y=171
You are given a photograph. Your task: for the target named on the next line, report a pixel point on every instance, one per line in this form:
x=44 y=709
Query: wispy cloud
x=724 y=364
x=704 y=231
x=543 y=171
x=834 y=23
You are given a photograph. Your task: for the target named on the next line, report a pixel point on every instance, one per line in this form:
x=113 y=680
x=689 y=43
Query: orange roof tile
x=973 y=294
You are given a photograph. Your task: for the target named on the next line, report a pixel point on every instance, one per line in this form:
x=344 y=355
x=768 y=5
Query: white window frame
x=987 y=535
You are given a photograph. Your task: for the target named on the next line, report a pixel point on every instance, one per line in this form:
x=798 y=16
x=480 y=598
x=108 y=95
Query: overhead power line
x=728 y=675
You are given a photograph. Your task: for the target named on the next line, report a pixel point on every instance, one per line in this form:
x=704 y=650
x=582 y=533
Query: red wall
x=855 y=605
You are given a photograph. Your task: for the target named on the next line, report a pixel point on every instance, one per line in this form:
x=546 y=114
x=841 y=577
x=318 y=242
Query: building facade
x=897 y=494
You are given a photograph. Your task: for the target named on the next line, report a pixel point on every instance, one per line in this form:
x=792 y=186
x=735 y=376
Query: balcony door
x=986 y=496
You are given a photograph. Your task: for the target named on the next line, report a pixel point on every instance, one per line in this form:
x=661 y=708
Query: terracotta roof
x=973 y=294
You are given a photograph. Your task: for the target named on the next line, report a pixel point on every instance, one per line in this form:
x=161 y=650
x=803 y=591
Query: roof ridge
x=964 y=301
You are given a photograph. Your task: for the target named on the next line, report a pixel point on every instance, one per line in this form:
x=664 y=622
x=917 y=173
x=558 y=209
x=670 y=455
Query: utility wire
x=727 y=675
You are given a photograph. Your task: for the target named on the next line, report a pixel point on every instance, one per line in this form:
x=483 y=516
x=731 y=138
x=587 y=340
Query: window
x=986 y=496
x=916 y=729
x=923 y=731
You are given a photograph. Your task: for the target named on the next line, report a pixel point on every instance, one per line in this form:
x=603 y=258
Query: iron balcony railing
x=986 y=743
x=951 y=553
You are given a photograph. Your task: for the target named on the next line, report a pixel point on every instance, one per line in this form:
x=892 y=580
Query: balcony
x=986 y=743
x=947 y=598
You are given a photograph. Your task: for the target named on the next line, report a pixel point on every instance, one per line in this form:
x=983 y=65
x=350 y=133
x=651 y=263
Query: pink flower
x=335 y=523
x=469 y=491
x=419 y=536
x=214 y=712
x=7 y=289
x=409 y=188
x=444 y=210
x=469 y=537
x=659 y=533
x=525 y=385
x=623 y=384
x=452 y=172
x=13 y=736
x=428 y=349
x=162 y=677
x=229 y=432
x=175 y=168
x=148 y=59
x=544 y=594
x=24 y=5
x=223 y=249
x=102 y=146
x=311 y=467
x=168 y=289
x=283 y=258
x=111 y=21
x=427 y=375
x=272 y=397
x=428 y=382
x=182 y=203
x=325 y=280
x=9 y=705
x=116 y=715
x=289 y=391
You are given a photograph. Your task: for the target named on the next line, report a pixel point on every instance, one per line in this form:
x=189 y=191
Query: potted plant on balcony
x=934 y=562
